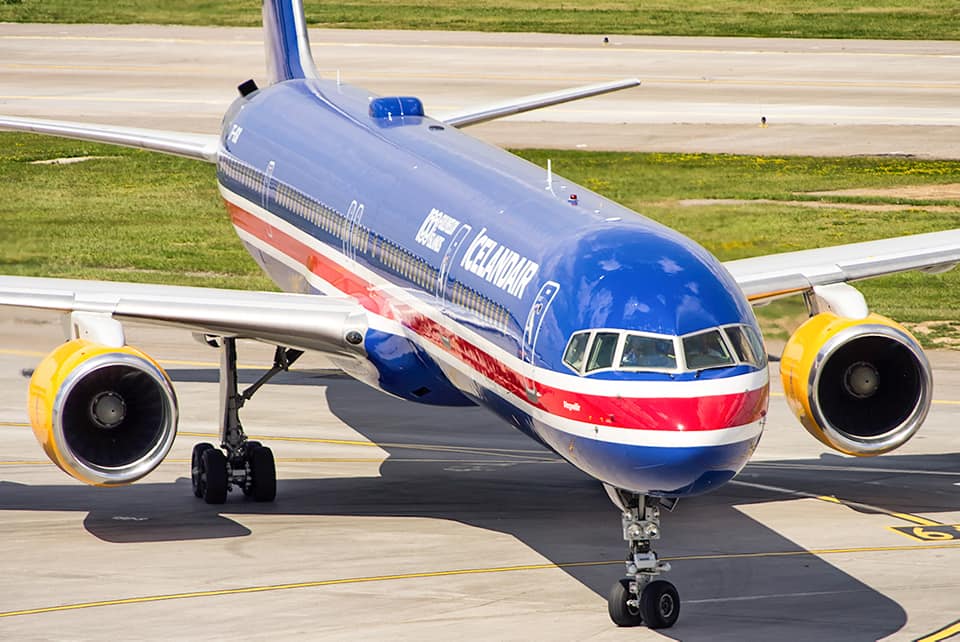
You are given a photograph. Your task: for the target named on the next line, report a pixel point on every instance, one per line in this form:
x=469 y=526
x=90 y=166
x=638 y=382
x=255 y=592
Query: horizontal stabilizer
x=197 y=146
x=474 y=116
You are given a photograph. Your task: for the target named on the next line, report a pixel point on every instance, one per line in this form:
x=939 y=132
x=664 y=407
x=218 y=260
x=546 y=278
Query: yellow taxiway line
x=447 y=573
x=507 y=455
x=946 y=632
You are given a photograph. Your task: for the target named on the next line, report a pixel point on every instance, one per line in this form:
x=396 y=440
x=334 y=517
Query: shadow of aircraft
x=465 y=465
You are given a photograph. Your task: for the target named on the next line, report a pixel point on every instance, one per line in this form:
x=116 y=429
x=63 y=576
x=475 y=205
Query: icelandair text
x=498 y=264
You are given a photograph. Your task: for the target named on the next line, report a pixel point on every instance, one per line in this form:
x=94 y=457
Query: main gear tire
x=659 y=604
x=263 y=470
x=215 y=476
x=622 y=613
x=197 y=471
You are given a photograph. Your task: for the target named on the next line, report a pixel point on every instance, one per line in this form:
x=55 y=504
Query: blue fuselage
x=477 y=269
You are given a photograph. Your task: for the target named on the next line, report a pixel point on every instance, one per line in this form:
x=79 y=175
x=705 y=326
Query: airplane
x=442 y=270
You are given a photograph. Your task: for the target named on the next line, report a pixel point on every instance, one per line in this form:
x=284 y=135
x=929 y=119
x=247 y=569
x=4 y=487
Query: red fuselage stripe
x=674 y=414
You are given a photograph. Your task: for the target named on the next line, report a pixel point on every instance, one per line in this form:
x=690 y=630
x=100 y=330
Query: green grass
x=635 y=178
x=132 y=216
x=653 y=183
x=890 y=19
x=148 y=217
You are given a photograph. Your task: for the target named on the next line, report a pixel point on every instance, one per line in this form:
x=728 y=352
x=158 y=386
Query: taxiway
x=405 y=522
x=821 y=97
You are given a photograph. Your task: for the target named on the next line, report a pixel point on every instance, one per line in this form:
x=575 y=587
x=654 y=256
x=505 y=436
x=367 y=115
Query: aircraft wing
x=765 y=278
x=302 y=321
x=476 y=115
x=197 y=146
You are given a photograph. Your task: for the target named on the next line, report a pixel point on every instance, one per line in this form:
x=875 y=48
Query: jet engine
x=105 y=415
x=860 y=386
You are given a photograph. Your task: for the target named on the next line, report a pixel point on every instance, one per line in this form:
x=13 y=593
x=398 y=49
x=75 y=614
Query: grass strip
x=885 y=19
x=135 y=216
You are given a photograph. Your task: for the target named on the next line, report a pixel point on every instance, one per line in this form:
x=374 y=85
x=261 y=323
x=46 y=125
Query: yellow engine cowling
x=106 y=416
x=860 y=386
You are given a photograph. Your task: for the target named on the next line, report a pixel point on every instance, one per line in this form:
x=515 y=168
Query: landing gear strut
x=639 y=598
x=238 y=462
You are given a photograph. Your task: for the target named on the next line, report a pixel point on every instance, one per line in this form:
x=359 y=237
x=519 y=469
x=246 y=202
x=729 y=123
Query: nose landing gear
x=639 y=598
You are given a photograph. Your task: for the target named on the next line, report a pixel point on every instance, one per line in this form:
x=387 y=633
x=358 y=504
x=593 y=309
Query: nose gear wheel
x=639 y=598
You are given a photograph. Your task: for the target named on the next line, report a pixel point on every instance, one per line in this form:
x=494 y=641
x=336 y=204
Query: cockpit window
x=602 y=350
x=648 y=353
x=589 y=351
x=756 y=342
x=741 y=345
x=706 y=350
x=577 y=347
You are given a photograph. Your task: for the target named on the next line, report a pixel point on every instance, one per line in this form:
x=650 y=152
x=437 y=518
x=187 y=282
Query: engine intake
x=106 y=416
x=860 y=386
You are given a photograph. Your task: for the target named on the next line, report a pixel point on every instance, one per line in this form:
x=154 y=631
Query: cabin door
x=352 y=236
x=531 y=331
x=448 y=258
x=269 y=186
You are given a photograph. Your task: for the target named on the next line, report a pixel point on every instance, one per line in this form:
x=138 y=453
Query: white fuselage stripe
x=578 y=385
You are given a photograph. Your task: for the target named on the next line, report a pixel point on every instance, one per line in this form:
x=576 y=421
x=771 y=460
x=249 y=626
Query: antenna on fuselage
x=549 y=175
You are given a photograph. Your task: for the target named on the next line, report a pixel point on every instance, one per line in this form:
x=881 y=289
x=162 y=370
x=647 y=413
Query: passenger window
x=601 y=352
x=741 y=345
x=706 y=350
x=648 y=352
x=573 y=357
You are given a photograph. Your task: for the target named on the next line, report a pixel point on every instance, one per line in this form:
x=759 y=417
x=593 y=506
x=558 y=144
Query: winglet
x=475 y=115
x=286 y=42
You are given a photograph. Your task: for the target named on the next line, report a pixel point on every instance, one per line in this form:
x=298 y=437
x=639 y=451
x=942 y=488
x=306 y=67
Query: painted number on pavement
x=942 y=533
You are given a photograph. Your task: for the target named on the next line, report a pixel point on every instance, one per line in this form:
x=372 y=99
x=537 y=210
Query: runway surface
x=396 y=521
x=825 y=97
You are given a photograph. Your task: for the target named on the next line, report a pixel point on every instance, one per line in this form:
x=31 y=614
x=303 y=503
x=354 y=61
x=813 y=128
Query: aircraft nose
x=696 y=462
x=684 y=471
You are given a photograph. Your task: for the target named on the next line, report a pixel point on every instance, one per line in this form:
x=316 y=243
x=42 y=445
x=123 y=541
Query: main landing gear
x=639 y=598
x=238 y=462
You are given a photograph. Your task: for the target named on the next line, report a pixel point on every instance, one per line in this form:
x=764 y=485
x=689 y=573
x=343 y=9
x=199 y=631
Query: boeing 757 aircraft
x=442 y=270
